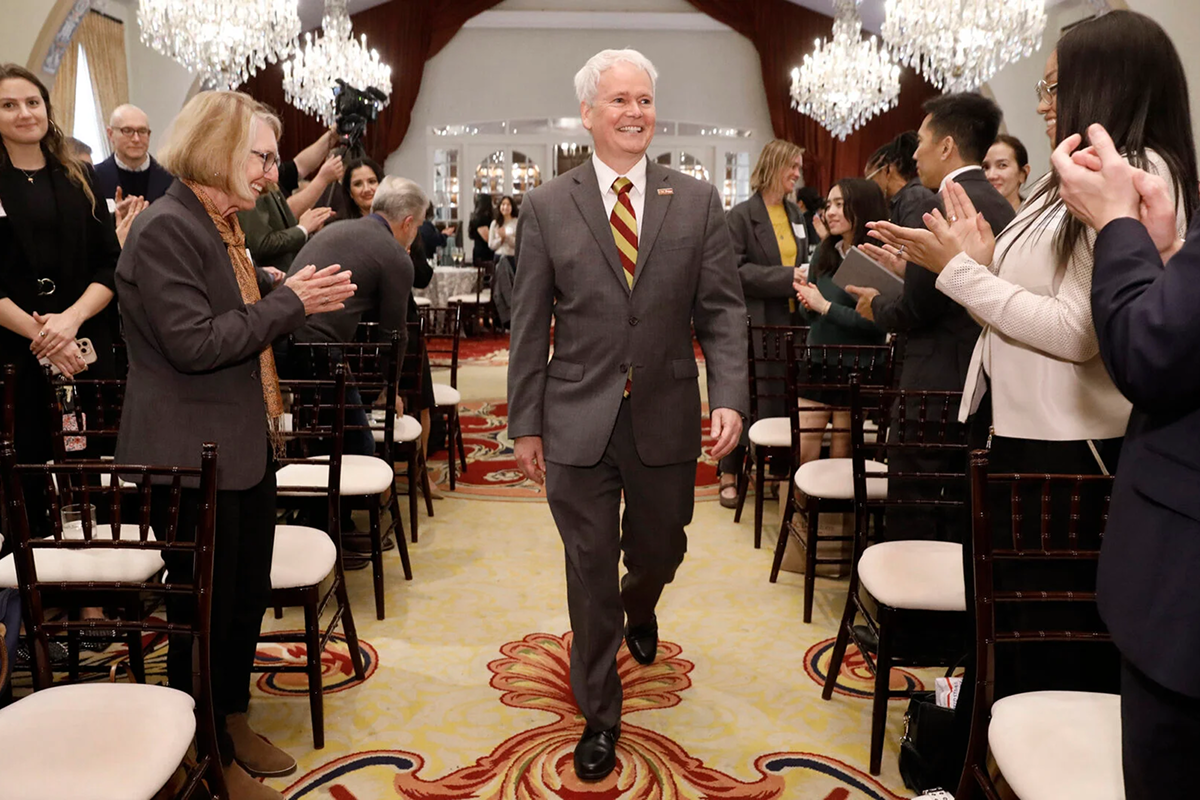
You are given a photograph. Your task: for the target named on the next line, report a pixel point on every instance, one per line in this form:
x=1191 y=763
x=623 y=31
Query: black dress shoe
x=596 y=753
x=643 y=641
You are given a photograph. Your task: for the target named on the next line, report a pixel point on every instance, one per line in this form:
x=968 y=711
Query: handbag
x=928 y=748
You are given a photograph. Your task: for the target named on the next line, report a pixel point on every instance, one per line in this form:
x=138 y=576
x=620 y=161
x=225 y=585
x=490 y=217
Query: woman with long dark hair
x=360 y=180
x=56 y=266
x=481 y=222
x=1039 y=392
x=852 y=203
x=502 y=235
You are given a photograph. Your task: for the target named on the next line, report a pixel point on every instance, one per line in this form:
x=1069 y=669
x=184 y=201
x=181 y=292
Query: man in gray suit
x=625 y=257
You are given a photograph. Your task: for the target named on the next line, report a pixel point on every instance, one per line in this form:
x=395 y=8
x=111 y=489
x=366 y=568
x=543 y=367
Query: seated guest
x=1007 y=168
x=852 y=203
x=374 y=248
x=201 y=370
x=770 y=242
x=130 y=171
x=361 y=179
x=431 y=237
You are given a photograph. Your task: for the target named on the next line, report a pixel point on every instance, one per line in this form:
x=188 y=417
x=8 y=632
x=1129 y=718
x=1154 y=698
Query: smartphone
x=86 y=350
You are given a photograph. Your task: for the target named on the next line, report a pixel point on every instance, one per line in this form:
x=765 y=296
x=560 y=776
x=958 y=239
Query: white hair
x=398 y=198
x=587 y=80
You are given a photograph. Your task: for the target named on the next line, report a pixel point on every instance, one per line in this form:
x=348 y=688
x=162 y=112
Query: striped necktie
x=624 y=228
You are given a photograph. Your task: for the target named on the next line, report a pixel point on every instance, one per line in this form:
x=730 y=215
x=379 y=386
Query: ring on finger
x=953 y=218
x=900 y=252
x=42 y=334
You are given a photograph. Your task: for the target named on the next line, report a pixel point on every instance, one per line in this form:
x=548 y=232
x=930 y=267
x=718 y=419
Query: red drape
x=406 y=33
x=783 y=32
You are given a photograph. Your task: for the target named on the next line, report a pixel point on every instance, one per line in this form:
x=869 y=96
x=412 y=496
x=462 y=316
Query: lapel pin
x=666 y=191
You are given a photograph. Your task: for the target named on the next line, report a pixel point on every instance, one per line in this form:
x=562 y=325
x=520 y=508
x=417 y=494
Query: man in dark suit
x=624 y=257
x=130 y=169
x=1144 y=301
x=940 y=334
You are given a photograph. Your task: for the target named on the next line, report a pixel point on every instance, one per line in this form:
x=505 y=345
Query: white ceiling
x=871 y=10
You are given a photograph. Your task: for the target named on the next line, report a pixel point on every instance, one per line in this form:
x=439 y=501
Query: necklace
x=29 y=174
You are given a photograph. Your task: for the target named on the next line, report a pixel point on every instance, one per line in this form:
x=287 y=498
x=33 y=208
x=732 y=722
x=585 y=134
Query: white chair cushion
x=302 y=557
x=100 y=741
x=94 y=564
x=407 y=429
x=1059 y=745
x=915 y=575
x=484 y=297
x=833 y=479
x=771 y=432
x=422 y=301
x=446 y=395
x=361 y=475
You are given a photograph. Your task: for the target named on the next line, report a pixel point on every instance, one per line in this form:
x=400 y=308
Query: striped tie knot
x=622 y=185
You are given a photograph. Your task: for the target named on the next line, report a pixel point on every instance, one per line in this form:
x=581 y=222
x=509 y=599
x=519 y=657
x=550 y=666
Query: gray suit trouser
x=586 y=504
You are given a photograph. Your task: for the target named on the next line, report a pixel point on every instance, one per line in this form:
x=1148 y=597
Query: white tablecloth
x=447 y=282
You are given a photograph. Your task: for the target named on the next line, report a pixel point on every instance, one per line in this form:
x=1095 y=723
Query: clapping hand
x=322 y=290
x=966 y=231
x=865 y=296
x=127 y=214
x=1096 y=184
x=811 y=297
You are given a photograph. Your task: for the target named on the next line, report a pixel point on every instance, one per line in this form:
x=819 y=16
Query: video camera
x=354 y=109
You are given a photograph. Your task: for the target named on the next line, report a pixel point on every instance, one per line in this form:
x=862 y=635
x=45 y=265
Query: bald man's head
x=129 y=134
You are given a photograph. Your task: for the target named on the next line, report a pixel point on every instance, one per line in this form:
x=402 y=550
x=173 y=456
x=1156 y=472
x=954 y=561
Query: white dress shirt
x=1038 y=345
x=605 y=175
x=145 y=164
x=954 y=175
x=503 y=247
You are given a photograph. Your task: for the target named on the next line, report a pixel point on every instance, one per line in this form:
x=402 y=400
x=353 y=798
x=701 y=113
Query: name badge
x=3 y=213
x=112 y=205
x=799 y=230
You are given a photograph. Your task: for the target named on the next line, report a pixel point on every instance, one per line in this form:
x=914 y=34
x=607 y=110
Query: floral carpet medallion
x=537 y=763
x=492 y=466
x=855 y=679
x=337 y=673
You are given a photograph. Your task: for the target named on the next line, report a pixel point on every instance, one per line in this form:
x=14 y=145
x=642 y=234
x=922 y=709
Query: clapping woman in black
x=58 y=255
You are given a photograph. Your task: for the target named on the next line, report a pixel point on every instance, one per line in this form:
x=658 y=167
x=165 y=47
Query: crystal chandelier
x=959 y=44
x=311 y=76
x=846 y=81
x=222 y=41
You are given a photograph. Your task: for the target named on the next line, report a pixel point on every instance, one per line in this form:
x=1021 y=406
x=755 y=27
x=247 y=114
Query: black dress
x=481 y=251
x=55 y=245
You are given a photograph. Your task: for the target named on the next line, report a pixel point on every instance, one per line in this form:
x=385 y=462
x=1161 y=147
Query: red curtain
x=783 y=32
x=406 y=33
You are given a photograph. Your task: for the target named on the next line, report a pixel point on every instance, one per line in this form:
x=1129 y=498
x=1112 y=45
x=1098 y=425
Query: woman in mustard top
x=770 y=245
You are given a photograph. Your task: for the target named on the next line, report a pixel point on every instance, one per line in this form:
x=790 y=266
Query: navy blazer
x=106 y=179
x=1149 y=329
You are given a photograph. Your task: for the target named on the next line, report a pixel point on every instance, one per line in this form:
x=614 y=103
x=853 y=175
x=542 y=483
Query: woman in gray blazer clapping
x=770 y=244
x=201 y=370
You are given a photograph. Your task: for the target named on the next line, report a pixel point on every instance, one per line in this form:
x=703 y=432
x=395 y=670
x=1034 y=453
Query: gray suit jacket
x=766 y=281
x=193 y=345
x=941 y=333
x=568 y=271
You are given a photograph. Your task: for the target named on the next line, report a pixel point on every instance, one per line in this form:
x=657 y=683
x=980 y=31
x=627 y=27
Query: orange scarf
x=243 y=269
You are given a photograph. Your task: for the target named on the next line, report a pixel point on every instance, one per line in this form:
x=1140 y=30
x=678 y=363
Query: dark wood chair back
x=768 y=351
x=484 y=272
x=443 y=332
x=317 y=435
x=85 y=415
x=8 y=403
x=823 y=372
x=79 y=483
x=1045 y=521
x=939 y=434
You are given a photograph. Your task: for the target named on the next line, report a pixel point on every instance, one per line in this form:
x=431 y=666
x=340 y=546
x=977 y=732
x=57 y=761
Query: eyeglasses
x=1045 y=91
x=129 y=133
x=269 y=160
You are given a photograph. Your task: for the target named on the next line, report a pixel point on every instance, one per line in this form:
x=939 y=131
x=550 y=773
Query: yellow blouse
x=783 y=234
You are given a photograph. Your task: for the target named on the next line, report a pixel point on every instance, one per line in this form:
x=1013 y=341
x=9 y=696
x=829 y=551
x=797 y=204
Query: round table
x=447 y=282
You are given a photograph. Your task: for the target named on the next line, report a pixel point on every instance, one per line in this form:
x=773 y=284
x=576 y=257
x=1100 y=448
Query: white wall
x=1012 y=87
x=482 y=75
x=23 y=20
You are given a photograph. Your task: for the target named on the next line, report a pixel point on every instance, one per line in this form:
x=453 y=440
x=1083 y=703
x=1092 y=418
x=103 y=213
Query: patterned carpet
x=467 y=694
